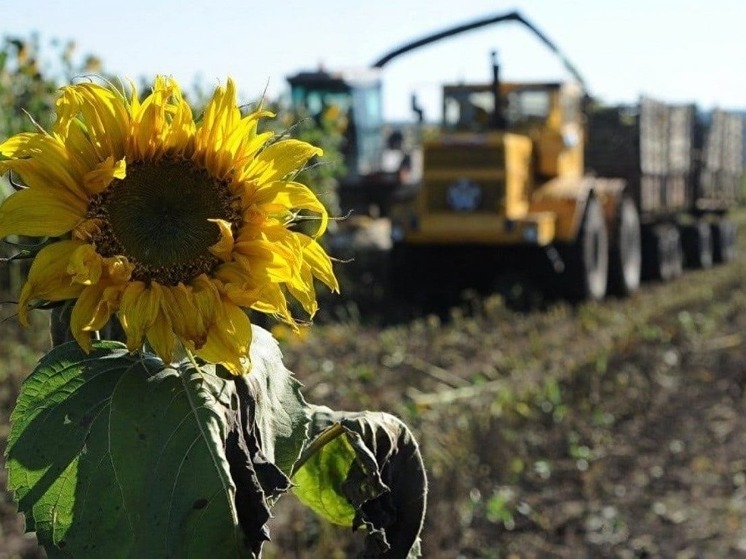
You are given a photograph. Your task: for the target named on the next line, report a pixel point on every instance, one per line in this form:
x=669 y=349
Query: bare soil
x=613 y=429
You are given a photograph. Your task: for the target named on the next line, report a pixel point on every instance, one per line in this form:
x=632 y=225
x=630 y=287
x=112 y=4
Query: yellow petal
x=173 y=125
x=134 y=100
x=235 y=282
x=66 y=108
x=161 y=336
x=92 y=311
x=220 y=117
x=253 y=142
x=106 y=117
x=229 y=339
x=180 y=308
x=281 y=195
x=240 y=143
x=280 y=159
x=263 y=265
x=48 y=279
x=40 y=212
x=319 y=261
x=118 y=268
x=223 y=249
x=42 y=160
x=17 y=146
x=138 y=309
x=85 y=265
x=276 y=256
x=242 y=296
x=151 y=121
x=69 y=129
x=98 y=179
x=87 y=229
x=206 y=298
x=302 y=289
x=182 y=128
x=288 y=194
x=272 y=300
x=141 y=315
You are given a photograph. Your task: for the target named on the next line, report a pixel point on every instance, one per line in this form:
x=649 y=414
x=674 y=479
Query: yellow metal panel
x=476 y=174
x=570 y=160
x=534 y=229
x=564 y=197
x=565 y=211
x=518 y=175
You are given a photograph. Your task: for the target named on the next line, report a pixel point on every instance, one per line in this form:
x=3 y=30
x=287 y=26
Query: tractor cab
x=352 y=100
x=549 y=114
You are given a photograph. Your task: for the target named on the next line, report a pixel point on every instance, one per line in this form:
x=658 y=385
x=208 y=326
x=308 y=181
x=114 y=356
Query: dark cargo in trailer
x=683 y=170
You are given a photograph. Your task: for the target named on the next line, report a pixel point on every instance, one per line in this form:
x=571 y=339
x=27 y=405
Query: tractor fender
x=567 y=197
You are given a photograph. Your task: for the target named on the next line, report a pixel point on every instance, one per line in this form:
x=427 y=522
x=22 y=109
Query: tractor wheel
x=625 y=258
x=698 y=245
x=723 y=241
x=400 y=277
x=587 y=259
x=662 y=255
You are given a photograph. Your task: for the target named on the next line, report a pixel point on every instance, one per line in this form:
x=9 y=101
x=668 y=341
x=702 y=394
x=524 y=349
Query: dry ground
x=605 y=430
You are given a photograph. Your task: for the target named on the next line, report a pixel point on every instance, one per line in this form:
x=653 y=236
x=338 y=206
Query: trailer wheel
x=675 y=253
x=625 y=258
x=724 y=233
x=697 y=239
x=662 y=255
x=587 y=260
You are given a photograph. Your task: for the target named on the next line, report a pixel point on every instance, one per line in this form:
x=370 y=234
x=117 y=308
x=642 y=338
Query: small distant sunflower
x=172 y=224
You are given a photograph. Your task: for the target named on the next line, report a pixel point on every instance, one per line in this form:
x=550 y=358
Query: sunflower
x=176 y=225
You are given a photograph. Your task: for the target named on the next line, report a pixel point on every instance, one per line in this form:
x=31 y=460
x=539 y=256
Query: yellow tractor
x=507 y=171
x=532 y=171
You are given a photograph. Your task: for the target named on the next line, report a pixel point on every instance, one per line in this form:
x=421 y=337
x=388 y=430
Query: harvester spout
x=469 y=26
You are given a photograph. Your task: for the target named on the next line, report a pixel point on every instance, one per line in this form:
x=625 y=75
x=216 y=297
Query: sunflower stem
x=191 y=357
x=326 y=436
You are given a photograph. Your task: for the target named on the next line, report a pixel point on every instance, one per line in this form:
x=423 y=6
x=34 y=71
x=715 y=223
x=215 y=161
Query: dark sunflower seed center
x=158 y=217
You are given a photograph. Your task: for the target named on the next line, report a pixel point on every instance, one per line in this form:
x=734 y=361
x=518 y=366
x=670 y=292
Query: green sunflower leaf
x=114 y=455
x=281 y=414
x=365 y=469
x=319 y=482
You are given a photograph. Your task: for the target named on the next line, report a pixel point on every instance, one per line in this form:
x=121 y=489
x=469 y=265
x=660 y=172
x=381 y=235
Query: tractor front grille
x=464 y=156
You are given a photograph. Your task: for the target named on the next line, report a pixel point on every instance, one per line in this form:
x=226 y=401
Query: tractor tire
x=587 y=259
x=625 y=257
x=697 y=239
x=724 y=233
x=401 y=283
x=663 y=254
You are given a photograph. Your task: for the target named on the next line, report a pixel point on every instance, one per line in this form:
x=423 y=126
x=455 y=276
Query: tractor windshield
x=321 y=103
x=470 y=108
x=353 y=111
x=526 y=106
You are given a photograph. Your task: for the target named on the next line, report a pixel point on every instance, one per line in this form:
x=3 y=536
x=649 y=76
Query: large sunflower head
x=176 y=225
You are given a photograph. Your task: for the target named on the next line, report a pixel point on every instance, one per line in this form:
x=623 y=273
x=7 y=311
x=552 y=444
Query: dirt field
x=605 y=430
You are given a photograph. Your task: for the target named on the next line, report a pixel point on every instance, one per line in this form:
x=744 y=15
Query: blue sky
x=679 y=51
